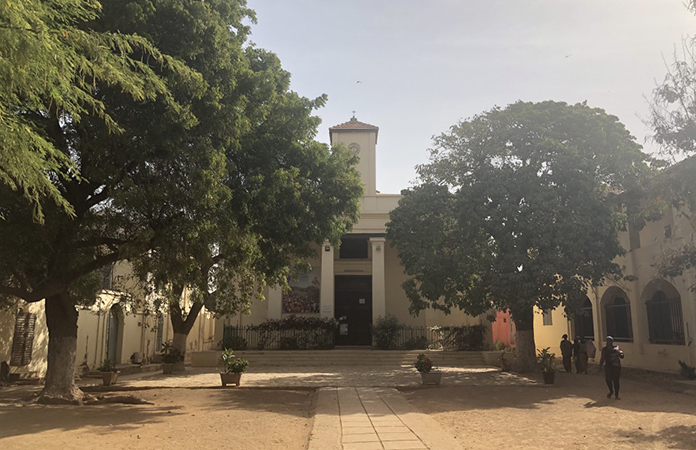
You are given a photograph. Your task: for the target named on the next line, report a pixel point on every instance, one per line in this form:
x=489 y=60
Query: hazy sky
x=425 y=65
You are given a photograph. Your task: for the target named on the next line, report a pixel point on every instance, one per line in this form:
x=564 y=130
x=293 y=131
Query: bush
x=417 y=343
x=233 y=364
x=467 y=337
x=233 y=342
x=289 y=343
x=386 y=332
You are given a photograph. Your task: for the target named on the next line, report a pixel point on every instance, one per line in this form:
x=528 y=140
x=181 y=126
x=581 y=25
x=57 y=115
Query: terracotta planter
x=431 y=378
x=548 y=377
x=167 y=368
x=109 y=378
x=230 y=378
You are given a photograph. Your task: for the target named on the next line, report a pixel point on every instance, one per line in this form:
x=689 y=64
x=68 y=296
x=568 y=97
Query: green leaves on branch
x=51 y=62
x=517 y=208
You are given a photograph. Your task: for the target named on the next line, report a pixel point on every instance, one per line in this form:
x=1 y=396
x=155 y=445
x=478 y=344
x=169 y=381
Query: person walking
x=612 y=356
x=566 y=352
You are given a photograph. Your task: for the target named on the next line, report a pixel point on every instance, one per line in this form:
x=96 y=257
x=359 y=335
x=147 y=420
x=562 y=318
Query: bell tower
x=361 y=139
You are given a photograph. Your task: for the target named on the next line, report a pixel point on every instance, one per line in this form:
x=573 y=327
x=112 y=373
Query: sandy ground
x=574 y=414
x=180 y=418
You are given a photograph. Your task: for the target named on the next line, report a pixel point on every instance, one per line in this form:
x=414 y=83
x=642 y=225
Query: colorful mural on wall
x=303 y=297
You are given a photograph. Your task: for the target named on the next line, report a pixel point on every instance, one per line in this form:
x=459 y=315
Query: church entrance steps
x=342 y=357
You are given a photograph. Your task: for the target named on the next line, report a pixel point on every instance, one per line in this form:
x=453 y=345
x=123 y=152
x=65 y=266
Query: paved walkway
x=362 y=418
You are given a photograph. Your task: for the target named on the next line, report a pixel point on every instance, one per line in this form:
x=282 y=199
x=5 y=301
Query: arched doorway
x=114 y=334
x=584 y=321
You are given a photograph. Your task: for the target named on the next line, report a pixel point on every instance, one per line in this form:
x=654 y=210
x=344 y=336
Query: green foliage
x=416 y=343
x=687 y=371
x=233 y=364
x=423 y=363
x=171 y=355
x=296 y=333
x=52 y=62
x=546 y=360
x=516 y=209
x=386 y=331
x=233 y=342
x=462 y=338
x=107 y=366
x=214 y=185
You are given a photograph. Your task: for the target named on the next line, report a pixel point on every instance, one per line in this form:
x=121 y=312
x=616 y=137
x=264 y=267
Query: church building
x=360 y=281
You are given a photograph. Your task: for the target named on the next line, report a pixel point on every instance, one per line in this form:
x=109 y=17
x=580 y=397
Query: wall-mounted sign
x=361 y=301
x=343 y=329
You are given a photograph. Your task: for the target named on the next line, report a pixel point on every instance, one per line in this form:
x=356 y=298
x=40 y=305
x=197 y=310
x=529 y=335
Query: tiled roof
x=354 y=124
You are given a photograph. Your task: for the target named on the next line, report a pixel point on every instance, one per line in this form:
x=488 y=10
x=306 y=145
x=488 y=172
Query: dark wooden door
x=353 y=307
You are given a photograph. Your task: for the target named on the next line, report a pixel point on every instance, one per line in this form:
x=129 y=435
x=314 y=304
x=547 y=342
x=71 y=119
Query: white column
x=379 y=305
x=275 y=303
x=326 y=296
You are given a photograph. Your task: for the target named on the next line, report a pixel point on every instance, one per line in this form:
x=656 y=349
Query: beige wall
x=37 y=365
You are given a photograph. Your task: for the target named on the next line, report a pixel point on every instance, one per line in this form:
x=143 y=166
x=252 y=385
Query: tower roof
x=353 y=125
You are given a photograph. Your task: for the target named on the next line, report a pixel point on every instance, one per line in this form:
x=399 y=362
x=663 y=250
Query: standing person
x=576 y=354
x=612 y=355
x=566 y=352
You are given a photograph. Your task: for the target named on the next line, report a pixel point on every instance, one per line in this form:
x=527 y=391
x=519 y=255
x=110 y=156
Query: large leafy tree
x=673 y=120
x=517 y=209
x=51 y=63
x=177 y=166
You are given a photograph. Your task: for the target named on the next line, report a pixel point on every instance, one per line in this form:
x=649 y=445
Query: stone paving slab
x=387 y=421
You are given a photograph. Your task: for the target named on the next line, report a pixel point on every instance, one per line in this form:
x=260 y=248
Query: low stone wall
x=206 y=358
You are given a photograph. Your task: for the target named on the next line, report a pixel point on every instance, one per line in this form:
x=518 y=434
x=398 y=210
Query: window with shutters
x=23 y=340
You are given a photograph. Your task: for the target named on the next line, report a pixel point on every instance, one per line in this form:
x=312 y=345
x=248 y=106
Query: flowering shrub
x=423 y=363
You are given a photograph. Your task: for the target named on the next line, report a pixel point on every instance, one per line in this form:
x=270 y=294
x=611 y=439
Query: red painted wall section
x=503 y=328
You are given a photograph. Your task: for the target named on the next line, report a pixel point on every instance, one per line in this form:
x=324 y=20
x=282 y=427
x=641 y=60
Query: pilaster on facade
x=379 y=304
x=275 y=303
x=326 y=296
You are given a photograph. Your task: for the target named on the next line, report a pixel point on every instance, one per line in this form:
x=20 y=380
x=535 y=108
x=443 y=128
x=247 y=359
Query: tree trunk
x=61 y=318
x=182 y=327
x=526 y=348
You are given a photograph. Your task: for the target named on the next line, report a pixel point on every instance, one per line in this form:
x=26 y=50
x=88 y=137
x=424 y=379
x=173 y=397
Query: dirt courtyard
x=573 y=414
x=251 y=419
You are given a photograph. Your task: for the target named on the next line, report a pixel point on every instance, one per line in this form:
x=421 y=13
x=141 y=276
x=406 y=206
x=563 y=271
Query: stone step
x=358 y=358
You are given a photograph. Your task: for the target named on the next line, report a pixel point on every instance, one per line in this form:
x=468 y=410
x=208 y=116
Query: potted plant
x=109 y=372
x=547 y=364
x=424 y=365
x=172 y=359
x=234 y=367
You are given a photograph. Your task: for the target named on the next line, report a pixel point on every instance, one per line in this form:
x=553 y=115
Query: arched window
x=584 y=324
x=665 y=321
x=618 y=315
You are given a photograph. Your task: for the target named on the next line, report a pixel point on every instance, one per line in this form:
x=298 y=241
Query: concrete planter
x=230 y=378
x=109 y=378
x=167 y=368
x=431 y=378
x=548 y=377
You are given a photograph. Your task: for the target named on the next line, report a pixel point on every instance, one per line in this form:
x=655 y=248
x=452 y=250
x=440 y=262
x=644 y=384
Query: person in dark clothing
x=612 y=356
x=567 y=352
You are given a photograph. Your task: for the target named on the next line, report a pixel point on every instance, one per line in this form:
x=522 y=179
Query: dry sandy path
x=573 y=414
x=180 y=418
